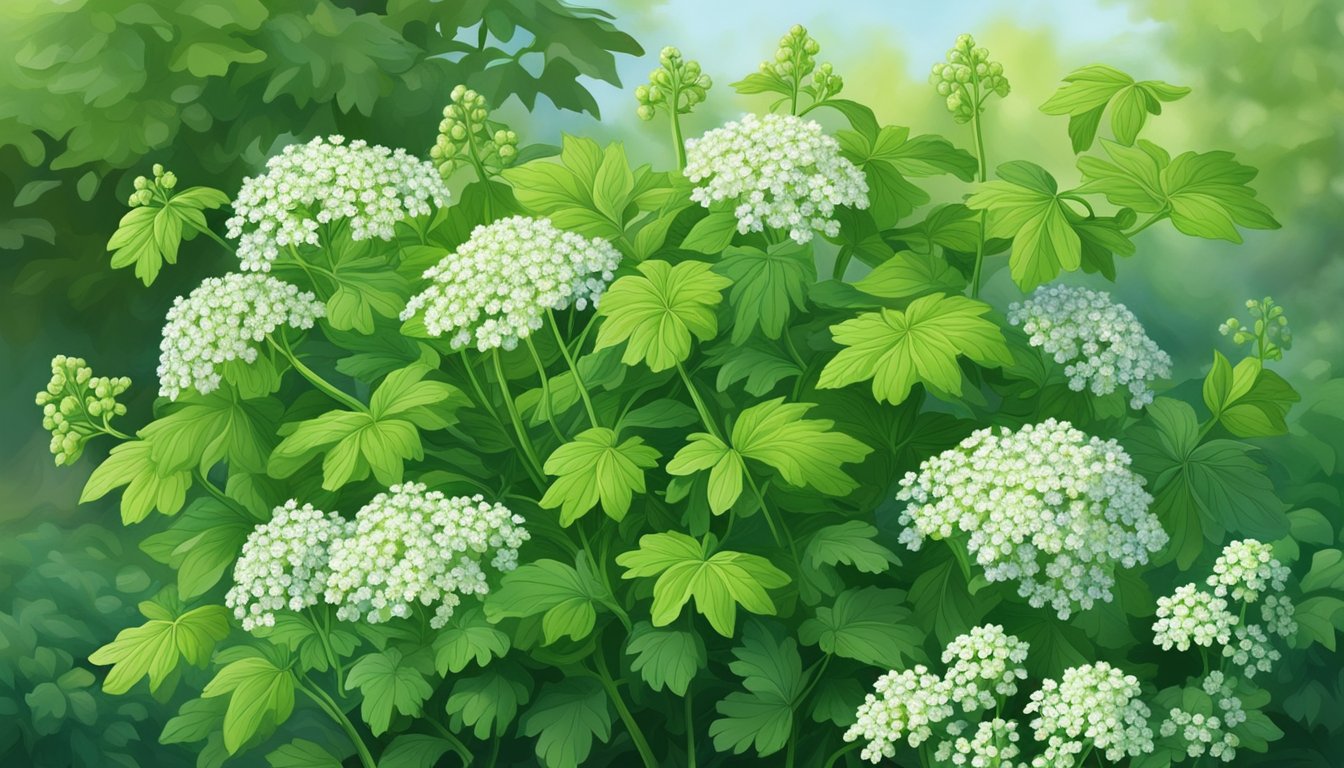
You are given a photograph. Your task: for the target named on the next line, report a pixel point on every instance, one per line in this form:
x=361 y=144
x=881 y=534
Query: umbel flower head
x=903 y=705
x=677 y=85
x=308 y=185
x=994 y=742
x=223 y=319
x=1191 y=615
x=1247 y=569
x=283 y=565
x=1096 y=704
x=780 y=171
x=496 y=288
x=76 y=405
x=1212 y=732
x=967 y=79
x=1099 y=341
x=467 y=136
x=410 y=546
x=983 y=663
x=1045 y=505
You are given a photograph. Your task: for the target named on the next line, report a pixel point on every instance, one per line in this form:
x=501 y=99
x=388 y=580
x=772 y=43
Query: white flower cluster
x=311 y=184
x=222 y=320
x=1252 y=650
x=1046 y=505
x=497 y=286
x=904 y=704
x=407 y=546
x=781 y=171
x=1246 y=569
x=283 y=565
x=982 y=663
x=1209 y=733
x=1099 y=341
x=1191 y=615
x=994 y=743
x=1094 y=703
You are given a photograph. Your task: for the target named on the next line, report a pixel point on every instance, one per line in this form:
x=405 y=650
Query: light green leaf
x=659 y=311
x=415 y=750
x=1089 y=91
x=848 y=543
x=767 y=286
x=666 y=658
x=365 y=285
x=596 y=467
x=466 y=637
x=712 y=234
x=1249 y=400
x=566 y=597
x=387 y=680
x=1024 y=204
x=867 y=625
x=301 y=635
x=155 y=647
x=907 y=274
x=762 y=715
x=261 y=695
x=147 y=486
x=898 y=349
x=302 y=753
x=565 y=718
x=195 y=721
x=149 y=235
x=199 y=431
x=613 y=183
x=489 y=702
x=201 y=543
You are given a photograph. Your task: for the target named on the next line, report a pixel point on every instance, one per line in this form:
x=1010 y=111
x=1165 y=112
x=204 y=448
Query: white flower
x=1209 y=733
x=780 y=171
x=904 y=705
x=1095 y=703
x=1099 y=341
x=994 y=743
x=983 y=663
x=283 y=565
x=1191 y=615
x=407 y=546
x=1252 y=650
x=308 y=185
x=1046 y=505
x=223 y=319
x=1246 y=569
x=496 y=287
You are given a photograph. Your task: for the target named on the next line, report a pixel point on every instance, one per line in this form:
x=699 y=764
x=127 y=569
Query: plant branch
x=632 y=727
x=533 y=463
x=573 y=367
x=333 y=710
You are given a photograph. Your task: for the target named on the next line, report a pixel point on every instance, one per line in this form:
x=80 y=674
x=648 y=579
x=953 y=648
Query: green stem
x=699 y=403
x=690 y=728
x=842 y=260
x=839 y=753
x=765 y=511
x=494 y=747
x=327 y=648
x=476 y=385
x=210 y=233
x=333 y=711
x=1156 y=217
x=212 y=489
x=676 y=134
x=282 y=347
x=545 y=388
x=573 y=368
x=112 y=431
x=636 y=735
x=450 y=737
x=981 y=175
x=533 y=464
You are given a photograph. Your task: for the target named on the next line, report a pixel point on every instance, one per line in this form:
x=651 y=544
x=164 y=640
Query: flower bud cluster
x=309 y=185
x=1099 y=341
x=223 y=319
x=796 y=56
x=467 y=136
x=1268 y=334
x=408 y=546
x=967 y=79
x=1209 y=733
x=283 y=565
x=147 y=190
x=76 y=406
x=780 y=171
x=1045 y=505
x=1191 y=615
x=1096 y=705
x=994 y=743
x=496 y=288
x=676 y=85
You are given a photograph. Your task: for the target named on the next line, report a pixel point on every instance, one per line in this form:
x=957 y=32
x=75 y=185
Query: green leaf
x=767 y=286
x=898 y=349
x=566 y=597
x=201 y=543
x=415 y=750
x=849 y=543
x=595 y=467
x=565 y=718
x=659 y=311
x=467 y=637
x=942 y=601
x=1089 y=91
x=155 y=647
x=387 y=680
x=301 y=635
x=365 y=285
x=147 y=486
x=301 y=753
x=195 y=721
x=712 y=234
x=149 y=235
x=1327 y=572
x=761 y=364
x=489 y=702
x=613 y=183
x=1024 y=204
x=867 y=625
x=1318 y=619
x=261 y=696
x=762 y=715
x=199 y=431
x=666 y=658
x=1249 y=400
x=907 y=274
x=718 y=582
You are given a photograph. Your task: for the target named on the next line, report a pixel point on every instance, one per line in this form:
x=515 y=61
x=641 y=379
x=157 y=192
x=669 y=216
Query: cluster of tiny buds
x=147 y=190
x=283 y=565
x=467 y=136
x=1093 y=705
x=1100 y=342
x=1268 y=334
x=780 y=171
x=983 y=664
x=967 y=78
x=1209 y=733
x=796 y=56
x=1246 y=569
x=993 y=745
x=1045 y=505
x=76 y=405
x=677 y=85
x=1192 y=616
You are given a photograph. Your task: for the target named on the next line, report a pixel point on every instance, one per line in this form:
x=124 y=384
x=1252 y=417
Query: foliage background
x=1268 y=79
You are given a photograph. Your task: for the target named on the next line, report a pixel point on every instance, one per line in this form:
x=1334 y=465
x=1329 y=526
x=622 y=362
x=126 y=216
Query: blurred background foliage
x=95 y=91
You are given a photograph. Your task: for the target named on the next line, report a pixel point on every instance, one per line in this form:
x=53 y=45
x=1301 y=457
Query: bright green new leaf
x=659 y=311
x=566 y=597
x=1091 y=88
x=595 y=467
x=154 y=648
x=908 y=274
x=889 y=155
x=767 y=286
x=195 y=721
x=762 y=716
x=718 y=582
x=867 y=625
x=467 y=637
x=311 y=642
x=388 y=680
x=489 y=702
x=712 y=234
x=261 y=695
x=565 y=718
x=302 y=753
x=199 y=431
x=920 y=345
x=201 y=543
x=151 y=234
x=1024 y=204
x=147 y=486
x=666 y=658
x=1249 y=400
